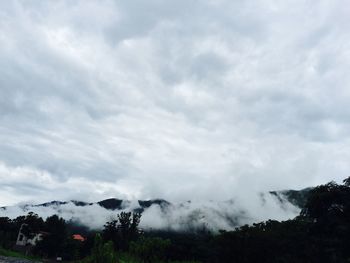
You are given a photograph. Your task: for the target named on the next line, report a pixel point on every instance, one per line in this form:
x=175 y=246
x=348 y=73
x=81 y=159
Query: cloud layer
x=182 y=100
x=185 y=216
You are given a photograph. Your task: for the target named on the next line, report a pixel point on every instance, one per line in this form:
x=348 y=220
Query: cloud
x=184 y=216
x=185 y=100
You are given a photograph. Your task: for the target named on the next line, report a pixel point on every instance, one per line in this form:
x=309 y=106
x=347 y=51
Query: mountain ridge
x=185 y=216
x=296 y=197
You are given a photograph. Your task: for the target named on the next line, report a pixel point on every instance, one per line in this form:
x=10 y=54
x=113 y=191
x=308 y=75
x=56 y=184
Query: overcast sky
x=172 y=99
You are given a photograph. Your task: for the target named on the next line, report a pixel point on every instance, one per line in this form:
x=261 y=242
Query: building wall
x=22 y=240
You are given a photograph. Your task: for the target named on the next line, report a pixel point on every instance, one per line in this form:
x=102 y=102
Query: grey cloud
x=183 y=100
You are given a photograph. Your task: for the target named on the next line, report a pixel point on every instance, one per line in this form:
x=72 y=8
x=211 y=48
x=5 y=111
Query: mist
x=184 y=216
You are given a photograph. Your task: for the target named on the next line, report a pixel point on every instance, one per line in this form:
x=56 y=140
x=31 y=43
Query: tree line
x=321 y=233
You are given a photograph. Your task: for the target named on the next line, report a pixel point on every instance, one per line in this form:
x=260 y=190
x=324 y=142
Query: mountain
x=189 y=216
x=111 y=204
x=296 y=197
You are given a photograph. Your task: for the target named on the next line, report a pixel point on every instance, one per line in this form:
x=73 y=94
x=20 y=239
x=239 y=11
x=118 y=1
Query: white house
x=23 y=240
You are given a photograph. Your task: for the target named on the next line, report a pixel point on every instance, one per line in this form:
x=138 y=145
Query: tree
x=8 y=232
x=54 y=241
x=347 y=181
x=32 y=224
x=128 y=227
x=110 y=231
x=152 y=249
x=123 y=230
x=326 y=201
x=103 y=252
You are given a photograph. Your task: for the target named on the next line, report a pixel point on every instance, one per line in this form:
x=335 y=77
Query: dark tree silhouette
x=123 y=230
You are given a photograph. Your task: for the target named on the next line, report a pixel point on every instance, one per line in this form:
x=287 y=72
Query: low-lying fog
x=189 y=215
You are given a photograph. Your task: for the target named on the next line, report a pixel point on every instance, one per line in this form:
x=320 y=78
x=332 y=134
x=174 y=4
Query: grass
x=15 y=254
x=123 y=257
x=127 y=258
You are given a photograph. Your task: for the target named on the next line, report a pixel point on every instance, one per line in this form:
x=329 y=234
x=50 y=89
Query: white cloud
x=178 y=216
x=182 y=100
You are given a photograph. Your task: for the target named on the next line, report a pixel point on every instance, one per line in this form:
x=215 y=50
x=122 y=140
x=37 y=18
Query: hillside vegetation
x=321 y=233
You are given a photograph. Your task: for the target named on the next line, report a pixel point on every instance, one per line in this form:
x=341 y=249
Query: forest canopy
x=321 y=233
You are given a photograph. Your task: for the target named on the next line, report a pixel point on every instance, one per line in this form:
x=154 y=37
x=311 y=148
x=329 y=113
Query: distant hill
x=110 y=204
x=160 y=213
x=296 y=197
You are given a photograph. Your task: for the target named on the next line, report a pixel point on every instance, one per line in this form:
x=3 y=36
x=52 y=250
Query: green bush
x=103 y=252
x=150 y=249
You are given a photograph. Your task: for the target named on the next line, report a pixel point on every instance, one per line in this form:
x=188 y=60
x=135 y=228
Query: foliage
x=54 y=242
x=103 y=252
x=123 y=230
x=150 y=249
x=9 y=228
x=320 y=234
x=8 y=233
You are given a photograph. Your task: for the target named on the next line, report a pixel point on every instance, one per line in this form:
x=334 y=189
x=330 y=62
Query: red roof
x=78 y=237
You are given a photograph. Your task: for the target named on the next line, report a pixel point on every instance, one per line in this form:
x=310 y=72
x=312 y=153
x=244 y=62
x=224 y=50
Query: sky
x=179 y=100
